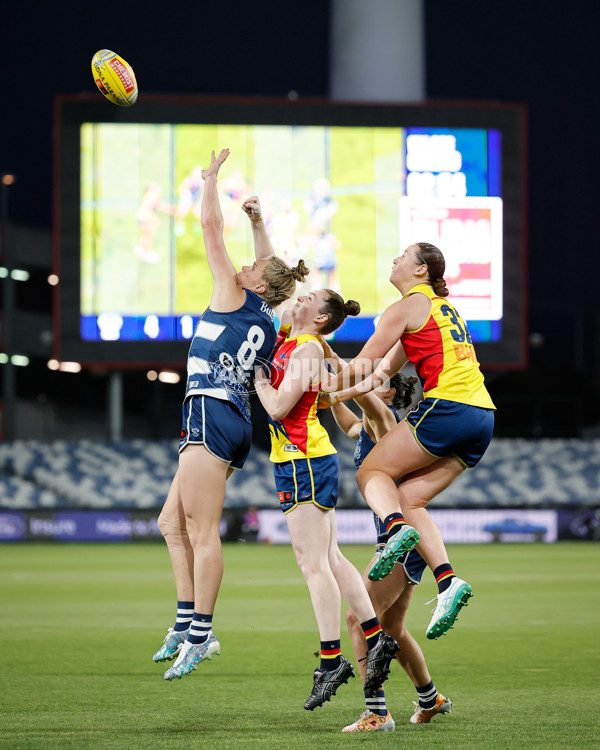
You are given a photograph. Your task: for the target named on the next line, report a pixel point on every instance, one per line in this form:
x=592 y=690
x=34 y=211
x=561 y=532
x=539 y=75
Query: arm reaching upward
x=347 y=420
x=227 y=295
x=262 y=243
x=381 y=420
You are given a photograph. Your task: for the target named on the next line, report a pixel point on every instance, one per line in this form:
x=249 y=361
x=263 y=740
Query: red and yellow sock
x=443 y=576
x=372 y=631
x=393 y=523
x=330 y=655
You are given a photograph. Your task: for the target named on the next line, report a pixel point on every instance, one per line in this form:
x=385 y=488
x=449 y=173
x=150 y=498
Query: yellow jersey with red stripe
x=444 y=356
x=300 y=434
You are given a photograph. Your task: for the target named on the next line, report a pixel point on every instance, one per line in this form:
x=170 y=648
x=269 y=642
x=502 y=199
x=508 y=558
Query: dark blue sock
x=185 y=612
x=375 y=702
x=330 y=655
x=393 y=523
x=200 y=628
x=427 y=695
x=372 y=631
x=443 y=575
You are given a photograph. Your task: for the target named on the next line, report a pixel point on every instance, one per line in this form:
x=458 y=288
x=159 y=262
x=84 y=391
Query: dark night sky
x=512 y=51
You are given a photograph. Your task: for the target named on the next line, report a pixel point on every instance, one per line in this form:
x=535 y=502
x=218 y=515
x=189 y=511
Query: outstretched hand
x=251 y=206
x=215 y=163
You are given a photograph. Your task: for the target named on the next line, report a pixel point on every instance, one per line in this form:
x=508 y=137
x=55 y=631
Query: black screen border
x=71 y=112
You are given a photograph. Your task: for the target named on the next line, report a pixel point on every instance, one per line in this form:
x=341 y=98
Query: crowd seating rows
x=137 y=474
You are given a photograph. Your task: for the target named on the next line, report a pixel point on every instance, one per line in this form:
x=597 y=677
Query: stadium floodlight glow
x=20 y=360
x=53 y=279
x=3 y=272
x=3 y=358
x=167 y=376
x=69 y=367
x=152 y=375
x=18 y=274
x=53 y=364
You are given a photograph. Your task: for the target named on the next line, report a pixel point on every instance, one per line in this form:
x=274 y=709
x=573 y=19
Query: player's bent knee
x=361 y=478
x=170 y=527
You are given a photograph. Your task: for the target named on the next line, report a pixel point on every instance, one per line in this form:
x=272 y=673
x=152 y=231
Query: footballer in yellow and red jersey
x=444 y=356
x=299 y=434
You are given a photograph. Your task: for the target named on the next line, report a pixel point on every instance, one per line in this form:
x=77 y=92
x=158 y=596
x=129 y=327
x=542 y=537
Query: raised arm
x=227 y=295
x=381 y=419
x=347 y=420
x=303 y=371
x=262 y=243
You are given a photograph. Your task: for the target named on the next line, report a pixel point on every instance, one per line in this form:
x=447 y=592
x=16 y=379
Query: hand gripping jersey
x=300 y=434
x=225 y=350
x=444 y=356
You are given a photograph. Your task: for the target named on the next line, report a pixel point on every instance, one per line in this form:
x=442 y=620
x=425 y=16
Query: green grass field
x=79 y=624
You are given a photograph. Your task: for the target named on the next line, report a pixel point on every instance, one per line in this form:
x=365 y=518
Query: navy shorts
x=448 y=428
x=307 y=480
x=413 y=565
x=218 y=426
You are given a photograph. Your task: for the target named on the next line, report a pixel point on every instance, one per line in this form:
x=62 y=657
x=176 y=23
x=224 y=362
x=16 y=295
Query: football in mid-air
x=114 y=78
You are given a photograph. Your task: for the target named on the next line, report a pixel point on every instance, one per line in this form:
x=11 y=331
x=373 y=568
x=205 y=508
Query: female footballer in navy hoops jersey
x=392 y=595
x=446 y=433
x=306 y=469
x=234 y=335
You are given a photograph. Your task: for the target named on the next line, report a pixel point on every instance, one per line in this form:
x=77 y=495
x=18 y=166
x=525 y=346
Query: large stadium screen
x=345 y=195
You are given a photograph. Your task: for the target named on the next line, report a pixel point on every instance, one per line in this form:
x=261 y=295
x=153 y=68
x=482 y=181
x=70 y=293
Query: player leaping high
x=448 y=431
x=234 y=335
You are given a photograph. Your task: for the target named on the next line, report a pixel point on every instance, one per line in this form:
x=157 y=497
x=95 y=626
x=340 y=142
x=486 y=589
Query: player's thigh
x=418 y=488
x=202 y=478
x=309 y=528
x=396 y=454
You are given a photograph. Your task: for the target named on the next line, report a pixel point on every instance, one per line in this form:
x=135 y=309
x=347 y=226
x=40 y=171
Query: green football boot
x=449 y=604
x=402 y=542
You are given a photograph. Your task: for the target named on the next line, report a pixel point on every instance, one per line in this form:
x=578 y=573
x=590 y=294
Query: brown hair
x=432 y=257
x=280 y=280
x=337 y=310
x=404 y=390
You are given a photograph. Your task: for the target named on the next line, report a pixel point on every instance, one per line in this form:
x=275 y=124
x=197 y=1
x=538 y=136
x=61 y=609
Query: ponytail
x=337 y=311
x=432 y=257
x=280 y=280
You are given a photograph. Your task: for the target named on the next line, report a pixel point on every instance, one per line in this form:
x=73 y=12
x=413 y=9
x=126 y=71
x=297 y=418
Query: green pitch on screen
x=133 y=180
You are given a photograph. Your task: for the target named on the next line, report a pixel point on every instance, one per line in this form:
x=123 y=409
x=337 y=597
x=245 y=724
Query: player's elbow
x=279 y=413
x=212 y=223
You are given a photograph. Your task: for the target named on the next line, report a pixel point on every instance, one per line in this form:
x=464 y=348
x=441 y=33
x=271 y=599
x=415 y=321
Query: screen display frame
x=510 y=352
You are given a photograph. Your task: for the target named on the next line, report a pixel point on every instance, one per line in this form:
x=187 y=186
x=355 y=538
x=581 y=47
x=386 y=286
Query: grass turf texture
x=79 y=624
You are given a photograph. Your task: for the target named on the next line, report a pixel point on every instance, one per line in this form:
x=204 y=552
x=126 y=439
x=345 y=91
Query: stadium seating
x=514 y=473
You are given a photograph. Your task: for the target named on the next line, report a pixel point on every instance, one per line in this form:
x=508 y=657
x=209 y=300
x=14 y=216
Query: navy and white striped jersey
x=225 y=350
